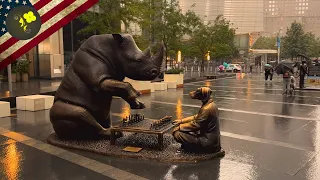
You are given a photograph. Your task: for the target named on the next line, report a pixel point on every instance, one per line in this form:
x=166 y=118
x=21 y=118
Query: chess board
x=136 y=123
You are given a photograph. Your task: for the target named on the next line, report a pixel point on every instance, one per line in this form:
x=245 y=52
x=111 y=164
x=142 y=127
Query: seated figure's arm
x=196 y=124
x=188 y=119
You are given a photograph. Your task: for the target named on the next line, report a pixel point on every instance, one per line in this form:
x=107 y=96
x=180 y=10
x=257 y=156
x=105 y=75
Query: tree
x=170 y=28
x=313 y=49
x=223 y=45
x=141 y=42
x=218 y=38
x=295 y=41
x=201 y=41
x=112 y=12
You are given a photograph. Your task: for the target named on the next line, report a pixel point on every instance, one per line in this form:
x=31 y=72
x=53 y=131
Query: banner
x=24 y=24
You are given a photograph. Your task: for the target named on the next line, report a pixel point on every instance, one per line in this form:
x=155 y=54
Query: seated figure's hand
x=136 y=104
x=177 y=122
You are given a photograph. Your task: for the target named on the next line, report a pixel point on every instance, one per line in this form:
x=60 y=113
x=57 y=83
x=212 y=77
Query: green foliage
x=218 y=38
x=112 y=13
x=223 y=39
x=14 y=68
x=175 y=71
x=23 y=66
x=141 y=42
x=295 y=42
x=170 y=28
x=265 y=43
x=313 y=49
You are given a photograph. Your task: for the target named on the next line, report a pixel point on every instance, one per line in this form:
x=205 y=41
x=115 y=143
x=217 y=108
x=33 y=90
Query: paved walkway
x=33 y=86
x=266 y=136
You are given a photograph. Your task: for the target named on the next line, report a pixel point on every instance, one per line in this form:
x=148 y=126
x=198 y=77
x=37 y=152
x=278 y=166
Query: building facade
x=246 y=16
x=281 y=13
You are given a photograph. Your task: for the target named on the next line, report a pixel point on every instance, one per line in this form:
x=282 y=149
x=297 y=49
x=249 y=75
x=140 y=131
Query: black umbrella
x=284 y=66
x=304 y=56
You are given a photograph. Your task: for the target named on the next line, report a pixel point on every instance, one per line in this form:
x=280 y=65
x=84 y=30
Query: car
x=234 y=68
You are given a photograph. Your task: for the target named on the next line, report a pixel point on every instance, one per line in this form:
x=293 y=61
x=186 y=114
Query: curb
x=190 y=80
x=309 y=89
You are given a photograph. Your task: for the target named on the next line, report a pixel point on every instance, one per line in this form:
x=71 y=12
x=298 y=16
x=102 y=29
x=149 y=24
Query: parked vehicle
x=234 y=68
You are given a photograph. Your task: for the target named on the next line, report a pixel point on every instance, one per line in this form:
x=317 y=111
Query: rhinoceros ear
x=118 y=37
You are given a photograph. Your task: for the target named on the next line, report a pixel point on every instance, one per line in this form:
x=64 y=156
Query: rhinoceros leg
x=123 y=90
x=74 y=122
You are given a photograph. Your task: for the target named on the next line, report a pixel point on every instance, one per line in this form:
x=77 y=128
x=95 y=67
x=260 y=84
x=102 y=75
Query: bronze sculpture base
x=145 y=141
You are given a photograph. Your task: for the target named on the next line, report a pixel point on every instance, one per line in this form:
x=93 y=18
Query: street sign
x=278 y=42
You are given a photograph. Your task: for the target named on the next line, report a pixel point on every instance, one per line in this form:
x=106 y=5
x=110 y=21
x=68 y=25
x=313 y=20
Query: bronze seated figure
x=201 y=132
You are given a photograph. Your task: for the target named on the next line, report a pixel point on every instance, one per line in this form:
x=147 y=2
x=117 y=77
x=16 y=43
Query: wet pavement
x=265 y=135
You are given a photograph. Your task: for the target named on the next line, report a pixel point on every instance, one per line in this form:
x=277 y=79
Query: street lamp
x=278 y=43
x=179 y=58
x=208 y=59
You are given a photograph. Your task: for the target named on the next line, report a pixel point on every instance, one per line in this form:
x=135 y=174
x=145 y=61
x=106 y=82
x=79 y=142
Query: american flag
x=54 y=15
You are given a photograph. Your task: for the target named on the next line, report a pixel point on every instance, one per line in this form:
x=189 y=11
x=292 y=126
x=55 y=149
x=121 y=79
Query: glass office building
x=264 y=16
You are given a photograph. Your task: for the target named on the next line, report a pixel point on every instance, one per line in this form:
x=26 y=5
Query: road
x=265 y=135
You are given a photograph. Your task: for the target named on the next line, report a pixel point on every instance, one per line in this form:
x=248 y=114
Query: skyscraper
x=245 y=15
x=281 y=13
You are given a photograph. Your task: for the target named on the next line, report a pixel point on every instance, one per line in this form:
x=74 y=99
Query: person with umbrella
x=251 y=66
x=267 y=70
x=285 y=68
x=303 y=72
x=271 y=73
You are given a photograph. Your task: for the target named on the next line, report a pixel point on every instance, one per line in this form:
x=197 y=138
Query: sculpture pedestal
x=146 y=141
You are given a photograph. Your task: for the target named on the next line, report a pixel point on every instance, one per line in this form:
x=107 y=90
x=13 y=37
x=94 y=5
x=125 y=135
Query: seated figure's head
x=202 y=94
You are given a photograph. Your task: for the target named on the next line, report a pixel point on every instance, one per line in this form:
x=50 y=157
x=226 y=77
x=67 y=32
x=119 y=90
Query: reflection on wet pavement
x=265 y=135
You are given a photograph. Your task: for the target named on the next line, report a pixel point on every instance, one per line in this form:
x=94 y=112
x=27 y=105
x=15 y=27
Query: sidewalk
x=311 y=88
x=33 y=86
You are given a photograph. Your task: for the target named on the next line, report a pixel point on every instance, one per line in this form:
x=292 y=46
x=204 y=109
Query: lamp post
x=179 y=58
x=278 y=43
x=208 y=59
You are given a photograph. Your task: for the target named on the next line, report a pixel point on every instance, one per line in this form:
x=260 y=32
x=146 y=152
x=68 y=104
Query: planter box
x=34 y=102
x=4 y=109
x=143 y=86
x=160 y=86
x=174 y=77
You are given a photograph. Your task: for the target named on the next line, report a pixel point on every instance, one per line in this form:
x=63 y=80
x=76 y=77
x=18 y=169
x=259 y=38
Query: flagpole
x=9 y=78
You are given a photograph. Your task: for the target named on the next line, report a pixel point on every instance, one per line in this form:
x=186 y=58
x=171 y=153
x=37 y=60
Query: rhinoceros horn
x=147 y=52
x=158 y=58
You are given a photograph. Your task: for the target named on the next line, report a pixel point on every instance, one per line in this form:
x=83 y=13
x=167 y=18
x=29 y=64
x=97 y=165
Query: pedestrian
x=286 y=80
x=303 y=72
x=251 y=66
x=266 y=72
x=271 y=73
